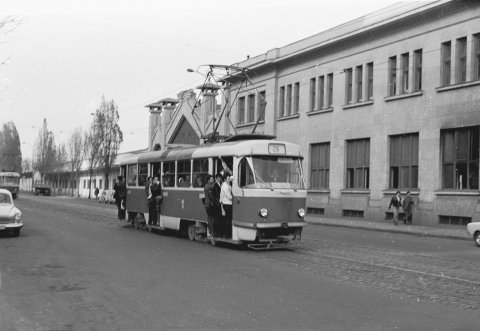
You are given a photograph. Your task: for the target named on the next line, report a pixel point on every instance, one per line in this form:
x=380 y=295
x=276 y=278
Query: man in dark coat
x=151 y=189
x=211 y=204
x=122 y=197
x=217 y=188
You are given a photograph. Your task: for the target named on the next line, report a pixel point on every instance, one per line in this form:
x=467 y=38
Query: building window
x=460 y=151
x=348 y=85
x=262 y=103
x=296 y=98
x=289 y=100
x=392 y=76
x=319 y=165
x=358 y=163
x=329 y=90
x=241 y=110
x=251 y=108
x=476 y=57
x=446 y=62
x=313 y=90
x=461 y=65
x=84 y=183
x=281 y=102
x=321 y=92
x=404 y=161
x=359 y=83
x=404 y=71
x=417 y=70
x=370 y=81
x=100 y=183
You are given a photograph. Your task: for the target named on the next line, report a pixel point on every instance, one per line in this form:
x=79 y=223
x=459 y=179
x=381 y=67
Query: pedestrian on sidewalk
x=396 y=202
x=407 y=207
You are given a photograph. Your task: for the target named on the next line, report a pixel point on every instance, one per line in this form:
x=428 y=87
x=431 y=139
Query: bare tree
x=10 y=152
x=61 y=157
x=93 y=144
x=112 y=136
x=44 y=151
x=76 y=153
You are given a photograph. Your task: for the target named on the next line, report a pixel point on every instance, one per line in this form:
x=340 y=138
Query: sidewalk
x=451 y=232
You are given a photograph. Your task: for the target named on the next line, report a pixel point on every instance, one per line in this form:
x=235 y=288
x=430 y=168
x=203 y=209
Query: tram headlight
x=263 y=212
x=301 y=212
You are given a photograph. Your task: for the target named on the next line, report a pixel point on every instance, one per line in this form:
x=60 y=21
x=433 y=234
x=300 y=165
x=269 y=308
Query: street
x=76 y=267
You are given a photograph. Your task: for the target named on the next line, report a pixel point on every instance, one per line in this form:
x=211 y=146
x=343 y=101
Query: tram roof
x=232 y=148
x=9 y=174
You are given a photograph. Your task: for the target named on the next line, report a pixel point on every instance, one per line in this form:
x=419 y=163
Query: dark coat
x=212 y=199
x=395 y=202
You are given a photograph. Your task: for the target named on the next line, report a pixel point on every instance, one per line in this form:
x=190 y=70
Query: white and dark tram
x=269 y=195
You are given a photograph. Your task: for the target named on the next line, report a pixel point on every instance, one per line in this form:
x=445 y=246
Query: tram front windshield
x=271 y=172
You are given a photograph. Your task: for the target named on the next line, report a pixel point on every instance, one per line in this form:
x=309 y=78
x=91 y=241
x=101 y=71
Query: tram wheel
x=191 y=232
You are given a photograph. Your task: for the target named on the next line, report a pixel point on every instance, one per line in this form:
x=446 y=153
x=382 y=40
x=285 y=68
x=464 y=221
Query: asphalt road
x=76 y=267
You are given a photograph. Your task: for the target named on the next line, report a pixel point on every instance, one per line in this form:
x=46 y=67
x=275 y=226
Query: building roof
x=163 y=102
x=379 y=18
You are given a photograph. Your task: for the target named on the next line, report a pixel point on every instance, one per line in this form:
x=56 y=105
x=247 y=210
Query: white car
x=10 y=216
x=473 y=229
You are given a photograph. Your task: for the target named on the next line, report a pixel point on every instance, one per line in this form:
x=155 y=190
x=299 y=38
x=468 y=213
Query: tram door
x=224 y=166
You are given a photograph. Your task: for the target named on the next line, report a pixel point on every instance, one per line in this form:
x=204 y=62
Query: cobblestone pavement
x=422 y=277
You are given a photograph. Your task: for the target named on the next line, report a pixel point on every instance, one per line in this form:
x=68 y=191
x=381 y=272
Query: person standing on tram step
x=226 y=202
x=217 y=188
x=116 y=195
x=396 y=202
x=122 y=194
x=158 y=199
x=209 y=203
x=407 y=207
x=151 y=192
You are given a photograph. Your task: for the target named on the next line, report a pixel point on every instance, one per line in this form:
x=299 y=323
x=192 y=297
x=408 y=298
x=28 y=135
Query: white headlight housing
x=18 y=217
x=301 y=212
x=263 y=212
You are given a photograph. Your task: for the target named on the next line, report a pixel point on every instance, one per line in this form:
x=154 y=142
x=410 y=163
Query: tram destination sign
x=277 y=149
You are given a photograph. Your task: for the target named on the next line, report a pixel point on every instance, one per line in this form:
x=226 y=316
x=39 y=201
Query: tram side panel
x=136 y=200
x=178 y=204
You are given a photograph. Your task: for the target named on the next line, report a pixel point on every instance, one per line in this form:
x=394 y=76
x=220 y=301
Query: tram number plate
x=285 y=225
x=2 y=226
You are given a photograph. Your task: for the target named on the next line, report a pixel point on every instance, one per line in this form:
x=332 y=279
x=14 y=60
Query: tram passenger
x=217 y=188
x=158 y=200
x=122 y=198
x=226 y=202
x=211 y=204
x=151 y=189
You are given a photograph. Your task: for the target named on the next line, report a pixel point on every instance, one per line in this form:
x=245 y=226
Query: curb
x=419 y=232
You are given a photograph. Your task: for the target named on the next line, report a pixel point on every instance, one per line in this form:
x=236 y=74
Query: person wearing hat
x=396 y=202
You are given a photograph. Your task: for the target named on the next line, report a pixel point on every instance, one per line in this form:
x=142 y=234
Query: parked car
x=106 y=197
x=10 y=216
x=473 y=229
x=41 y=188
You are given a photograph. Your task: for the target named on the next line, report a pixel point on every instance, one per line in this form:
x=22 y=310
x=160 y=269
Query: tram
x=10 y=181
x=269 y=195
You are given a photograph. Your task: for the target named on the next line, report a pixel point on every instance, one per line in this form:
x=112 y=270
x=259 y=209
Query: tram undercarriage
x=251 y=237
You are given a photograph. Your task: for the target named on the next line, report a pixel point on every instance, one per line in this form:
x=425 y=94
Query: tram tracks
x=411 y=275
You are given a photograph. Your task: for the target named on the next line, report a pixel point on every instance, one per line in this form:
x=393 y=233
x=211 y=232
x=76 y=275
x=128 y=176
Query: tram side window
x=132 y=175
x=245 y=174
x=142 y=174
x=169 y=174
x=156 y=170
x=200 y=172
x=183 y=173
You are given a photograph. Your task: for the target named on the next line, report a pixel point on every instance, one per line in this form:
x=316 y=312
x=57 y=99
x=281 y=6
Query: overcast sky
x=67 y=54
